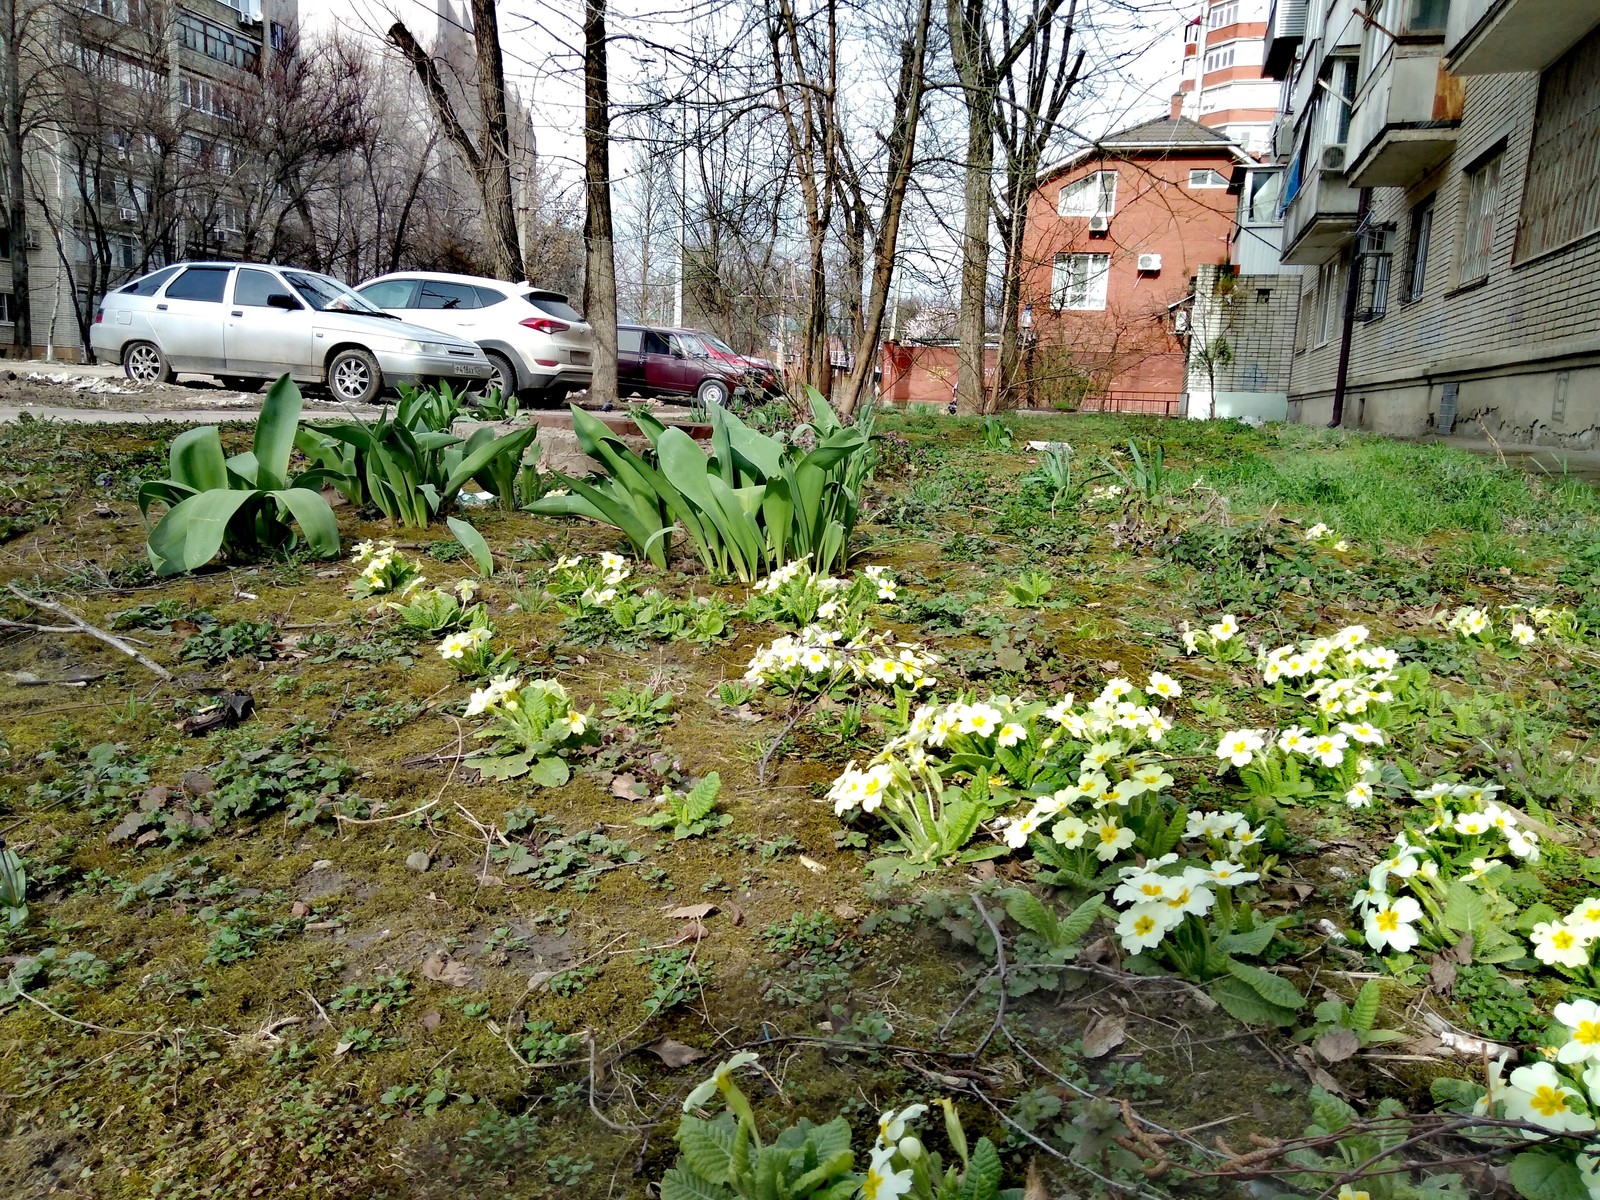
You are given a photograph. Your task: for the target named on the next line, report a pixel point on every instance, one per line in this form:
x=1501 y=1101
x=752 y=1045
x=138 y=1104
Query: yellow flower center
x=874 y=1183
x=1108 y=833
x=1151 y=889
x=1562 y=939
x=1388 y=920
x=1143 y=925
x=1587 y=1033
x=1548 y=1101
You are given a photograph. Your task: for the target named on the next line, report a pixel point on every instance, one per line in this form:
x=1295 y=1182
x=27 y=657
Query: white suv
x=539 y=346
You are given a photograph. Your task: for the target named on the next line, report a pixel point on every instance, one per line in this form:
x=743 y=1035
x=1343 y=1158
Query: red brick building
x=1114 y=236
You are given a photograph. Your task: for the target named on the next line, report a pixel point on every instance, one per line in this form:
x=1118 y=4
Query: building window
x=1226 y=13
x=8 y=309
x=216 y=42
x=1078 y=281
x=1560 y=202
x=1327 y=302
x=1219 y=59
x=1264 y=189
x=1482 y=188
x=1374 y=260
x=1092 y=196
x=1427 y=16
x=1207 y=178
x=1417 y=253
x=280 y=38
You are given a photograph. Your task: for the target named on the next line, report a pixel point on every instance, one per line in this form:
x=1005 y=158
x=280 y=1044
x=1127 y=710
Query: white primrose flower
x=1070 y=832
x=1110 y=838
x=1359 y=795
x=709 y=1088
x=1523 y=635
x=1328 y=749
x=1010 y=734
x=1164 y=686
x=1582 y=1019
x=1537 y=1094
x=1224 y=629
x=1558 y=944
x=1228 y=874
x=883 y=1182
x=1392 y=925
x=1585 y=918
x=1295 y=740
x=1240 y=746
x=892 y=1124
x=1362 y=732
x=1144 y=925
x=1317 y=532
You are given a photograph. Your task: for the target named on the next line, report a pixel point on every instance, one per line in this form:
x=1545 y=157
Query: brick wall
x=1528 y=319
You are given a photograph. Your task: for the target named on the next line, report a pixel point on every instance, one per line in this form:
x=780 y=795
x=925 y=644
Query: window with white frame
x=8 y=311
x=1327 y=302
x=1094 y=195
x=1205 y=177
x=1226 y=13
x=1078 y=281
x=1481 y=187
x=1417 y=249
x=1219 y=59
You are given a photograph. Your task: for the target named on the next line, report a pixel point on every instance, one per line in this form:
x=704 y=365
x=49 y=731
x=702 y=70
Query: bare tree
x=901 y=145
x=1033 y=98
x=600 y=275
x=983 y=57
x=488 y=156
x=22 y=40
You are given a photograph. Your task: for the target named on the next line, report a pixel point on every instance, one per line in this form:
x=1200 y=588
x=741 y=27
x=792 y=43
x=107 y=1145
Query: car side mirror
x=677 y=352
x=284 y=301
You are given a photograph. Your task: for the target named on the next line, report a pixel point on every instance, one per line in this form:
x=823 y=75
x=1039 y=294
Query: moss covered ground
x=241 y=980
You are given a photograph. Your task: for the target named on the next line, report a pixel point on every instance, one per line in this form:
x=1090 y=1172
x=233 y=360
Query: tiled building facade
x=1456 y=191
x=156 y=84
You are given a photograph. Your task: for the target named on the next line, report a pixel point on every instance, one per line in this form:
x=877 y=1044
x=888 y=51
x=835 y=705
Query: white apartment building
x=151 y=88
x=1440 y=197
x=1223 y=86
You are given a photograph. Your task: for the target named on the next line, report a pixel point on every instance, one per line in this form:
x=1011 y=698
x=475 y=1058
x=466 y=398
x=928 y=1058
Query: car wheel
x=502 y=374
x=713 y=391
x=144 y=363
x=354 y=377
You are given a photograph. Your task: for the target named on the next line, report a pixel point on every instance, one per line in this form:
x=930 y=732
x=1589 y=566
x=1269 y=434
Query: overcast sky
x=540 y=64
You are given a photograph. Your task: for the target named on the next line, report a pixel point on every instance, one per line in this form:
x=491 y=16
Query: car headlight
x=407 y=346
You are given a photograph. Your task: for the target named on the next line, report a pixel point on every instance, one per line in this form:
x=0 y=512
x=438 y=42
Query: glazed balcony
x=1321 y=219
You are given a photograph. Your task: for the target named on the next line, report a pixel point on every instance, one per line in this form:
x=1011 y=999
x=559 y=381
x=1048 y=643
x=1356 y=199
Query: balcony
x=1320 y=220
x=1405 y=118
x=1491 y=37
x=1286 y=28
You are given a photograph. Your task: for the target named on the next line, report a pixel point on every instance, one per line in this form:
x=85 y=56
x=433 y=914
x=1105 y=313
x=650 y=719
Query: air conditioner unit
x=1180 y=321
x=1333 y=159
x=1149 y=262
x=1099 y=224
x=124 y=213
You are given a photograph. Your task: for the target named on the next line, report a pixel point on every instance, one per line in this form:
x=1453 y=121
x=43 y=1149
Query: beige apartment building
x=1441 y=203
x=132 y=147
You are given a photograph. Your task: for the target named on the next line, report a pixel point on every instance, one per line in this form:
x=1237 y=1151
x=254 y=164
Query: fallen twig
x=93 y=631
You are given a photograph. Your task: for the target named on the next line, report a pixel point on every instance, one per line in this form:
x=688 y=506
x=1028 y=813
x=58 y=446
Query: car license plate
x=463 y=368
x=580 y=358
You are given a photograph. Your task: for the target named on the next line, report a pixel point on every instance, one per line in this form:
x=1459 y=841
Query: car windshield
x=717 y=343
x=329 y=295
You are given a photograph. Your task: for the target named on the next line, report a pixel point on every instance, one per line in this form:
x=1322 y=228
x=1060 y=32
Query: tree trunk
x=902 y=156
x=600 y=268
x=11 y=28
x=499 y=203
x=972 y=325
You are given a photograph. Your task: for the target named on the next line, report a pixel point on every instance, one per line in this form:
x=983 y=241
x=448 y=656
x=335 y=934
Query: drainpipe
x=1351 y=294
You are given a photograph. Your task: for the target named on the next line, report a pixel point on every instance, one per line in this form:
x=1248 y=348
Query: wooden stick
x=93 y=631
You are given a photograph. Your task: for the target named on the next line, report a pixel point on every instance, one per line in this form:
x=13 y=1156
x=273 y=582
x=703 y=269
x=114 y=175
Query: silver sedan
x=246 y=323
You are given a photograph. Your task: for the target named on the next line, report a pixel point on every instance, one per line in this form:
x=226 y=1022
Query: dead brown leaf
x=626 y=787
x=438 y=966
x=692 y=912
x=674 y=1054
x=1105 y=1035
x=1336 y=1045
